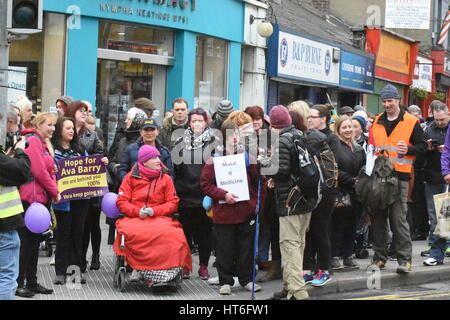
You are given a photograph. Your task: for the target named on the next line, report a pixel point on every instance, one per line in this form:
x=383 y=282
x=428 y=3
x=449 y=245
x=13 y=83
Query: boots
x=263 y=266
x=95 y=262
x=274 y=272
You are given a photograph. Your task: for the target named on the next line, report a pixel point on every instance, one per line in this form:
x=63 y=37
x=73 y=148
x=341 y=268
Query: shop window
x=210 y=72
x=135 y=38
x=38 y=64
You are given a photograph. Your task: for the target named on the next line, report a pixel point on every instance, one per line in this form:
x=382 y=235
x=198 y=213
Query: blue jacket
x=130 y=157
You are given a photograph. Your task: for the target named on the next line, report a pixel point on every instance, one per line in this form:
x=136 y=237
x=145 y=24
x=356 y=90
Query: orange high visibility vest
x=402 y=131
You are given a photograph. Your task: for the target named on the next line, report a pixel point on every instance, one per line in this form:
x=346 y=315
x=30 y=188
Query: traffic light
x=24 y=16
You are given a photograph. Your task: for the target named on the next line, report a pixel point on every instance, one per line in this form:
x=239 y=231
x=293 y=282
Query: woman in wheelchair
x=155 y=245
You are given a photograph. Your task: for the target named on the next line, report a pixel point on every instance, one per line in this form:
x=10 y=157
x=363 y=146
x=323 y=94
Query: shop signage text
x=152 y=14
x=357 y=71
x=425 y=74
x=300 y=57
x=394 y=54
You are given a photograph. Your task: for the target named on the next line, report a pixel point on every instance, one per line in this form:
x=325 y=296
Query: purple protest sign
x=81 y=178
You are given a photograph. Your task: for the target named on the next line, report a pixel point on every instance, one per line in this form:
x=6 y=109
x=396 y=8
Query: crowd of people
x=159 y=170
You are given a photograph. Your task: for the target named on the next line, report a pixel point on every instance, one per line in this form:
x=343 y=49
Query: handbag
x=442 y=207
x=343 y=200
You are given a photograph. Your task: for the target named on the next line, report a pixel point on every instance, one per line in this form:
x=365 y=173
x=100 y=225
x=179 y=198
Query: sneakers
x=214 y=281
x=225 y=290
x=203 y=272
x=379 y=263
x=404 y=267
x=426 y=252
x=135 y=276
x=350 y=264
x=432 y=262
x=186 y=273
x=336 y=264
x=249 y=287
x=321 y=278
x=308 y=277
x=447 y=252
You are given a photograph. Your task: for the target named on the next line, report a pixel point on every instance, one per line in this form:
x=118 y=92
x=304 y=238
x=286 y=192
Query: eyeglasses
x=83 y=111
x=314 y=117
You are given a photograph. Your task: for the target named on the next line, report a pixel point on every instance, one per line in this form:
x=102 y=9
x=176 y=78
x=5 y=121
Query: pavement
x=99 y=284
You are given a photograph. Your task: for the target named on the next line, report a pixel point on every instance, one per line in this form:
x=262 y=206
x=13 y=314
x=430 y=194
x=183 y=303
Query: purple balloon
x=109 y=206
x=37 y=218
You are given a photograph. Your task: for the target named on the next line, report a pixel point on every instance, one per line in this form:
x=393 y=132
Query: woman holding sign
x=70 y=215
x=92 y=144
x=42 y=189
x=234 y=219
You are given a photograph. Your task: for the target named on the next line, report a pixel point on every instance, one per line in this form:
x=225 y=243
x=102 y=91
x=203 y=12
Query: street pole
x=4 y=62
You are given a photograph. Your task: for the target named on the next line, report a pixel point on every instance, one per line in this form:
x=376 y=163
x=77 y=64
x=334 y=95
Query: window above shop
x=135 y=38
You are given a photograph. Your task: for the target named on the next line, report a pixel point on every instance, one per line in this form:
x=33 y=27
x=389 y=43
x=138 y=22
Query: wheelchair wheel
x=121 y=281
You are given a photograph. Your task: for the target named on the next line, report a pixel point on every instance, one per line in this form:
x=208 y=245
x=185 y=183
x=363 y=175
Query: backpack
x=317 y=171
x=380 y=189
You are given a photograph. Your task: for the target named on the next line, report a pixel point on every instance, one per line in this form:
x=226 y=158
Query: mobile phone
x=435 y=143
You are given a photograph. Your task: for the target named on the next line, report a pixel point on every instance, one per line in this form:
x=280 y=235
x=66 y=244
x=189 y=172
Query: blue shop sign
x=357 y=72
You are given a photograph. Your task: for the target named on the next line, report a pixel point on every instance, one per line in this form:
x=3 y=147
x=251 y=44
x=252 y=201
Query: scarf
x=193 y=142
x=149 y=173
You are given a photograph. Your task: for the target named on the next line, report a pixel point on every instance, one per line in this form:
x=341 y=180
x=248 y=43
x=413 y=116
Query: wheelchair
x=123 y=271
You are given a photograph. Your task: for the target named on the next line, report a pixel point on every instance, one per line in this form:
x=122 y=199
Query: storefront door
x=119 y=84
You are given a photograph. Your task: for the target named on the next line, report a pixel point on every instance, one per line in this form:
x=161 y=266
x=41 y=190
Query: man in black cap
x=346 y=110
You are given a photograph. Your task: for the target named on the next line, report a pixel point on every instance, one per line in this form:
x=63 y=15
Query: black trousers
x=69 y=238
x=343 y=225
x=234 y=252
x=318 y=238
x=92 y=232
x=197 y=225
x=29 y=254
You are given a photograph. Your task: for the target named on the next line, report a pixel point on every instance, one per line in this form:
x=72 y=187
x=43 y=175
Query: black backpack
x=317 y=171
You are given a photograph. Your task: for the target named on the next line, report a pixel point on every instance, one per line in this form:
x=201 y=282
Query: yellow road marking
x=415 y=296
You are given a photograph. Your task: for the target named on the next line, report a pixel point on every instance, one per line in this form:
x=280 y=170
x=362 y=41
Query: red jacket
x=230 y=213
x=159 y=193
x=42 y=169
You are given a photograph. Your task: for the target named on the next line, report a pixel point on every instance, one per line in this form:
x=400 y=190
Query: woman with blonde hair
x=351 y=159
x=43 y=189
x=302 y=108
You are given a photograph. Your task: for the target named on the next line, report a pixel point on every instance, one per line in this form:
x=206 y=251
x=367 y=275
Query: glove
x=144 y=212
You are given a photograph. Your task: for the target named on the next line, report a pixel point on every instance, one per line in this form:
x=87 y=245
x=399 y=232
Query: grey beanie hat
x=66 y=99
x=389 y=92
x=224 y=109
x=145 y=104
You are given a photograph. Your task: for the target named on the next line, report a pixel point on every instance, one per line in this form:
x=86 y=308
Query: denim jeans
x=263 y=243
x=9 y=264
x=438 y=248
x=431 y=189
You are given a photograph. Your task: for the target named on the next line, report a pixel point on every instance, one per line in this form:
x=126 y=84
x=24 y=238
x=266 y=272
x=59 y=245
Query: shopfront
x=441 y=74
x=301 y=68
x=111 y=52
x=395 y=62
x=357 y=77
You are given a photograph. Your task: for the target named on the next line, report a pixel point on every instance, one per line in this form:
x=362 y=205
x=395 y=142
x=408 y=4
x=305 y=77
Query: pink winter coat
x=42 y=169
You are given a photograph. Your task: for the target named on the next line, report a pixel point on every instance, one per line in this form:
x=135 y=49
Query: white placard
x=425 y=68
x=17 y=83
x=302 y=58
x=231 y=175
x=411 y=14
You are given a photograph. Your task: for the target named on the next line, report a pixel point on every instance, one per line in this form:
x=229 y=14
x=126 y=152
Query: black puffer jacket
x=350 y=161
x=285 y=178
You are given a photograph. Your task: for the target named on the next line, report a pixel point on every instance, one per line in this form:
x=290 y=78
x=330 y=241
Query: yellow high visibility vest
x=10 y=203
